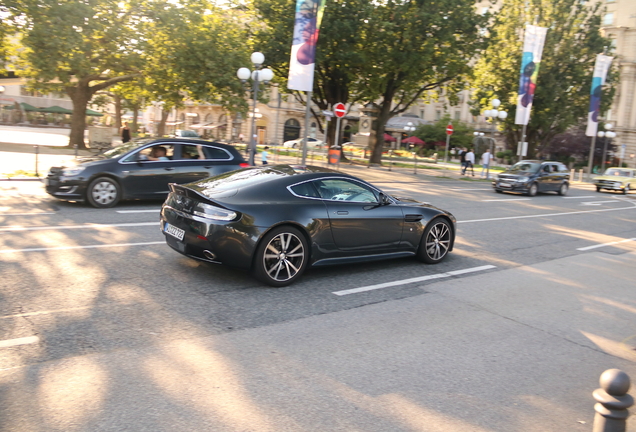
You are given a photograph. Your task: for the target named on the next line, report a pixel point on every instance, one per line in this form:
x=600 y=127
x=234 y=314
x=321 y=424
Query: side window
x=546 y=168
x=345 y=190
x=215 y=153
x=306 y=189
x=562 y=168
x=192 y=152
x=159 y=152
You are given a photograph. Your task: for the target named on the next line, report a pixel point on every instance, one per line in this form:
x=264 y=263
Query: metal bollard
x=415 y=165
x=390 y=159
x=613 y=401
x=75 y=147
x=581 y=175
x=37 y=152
x=572 y=174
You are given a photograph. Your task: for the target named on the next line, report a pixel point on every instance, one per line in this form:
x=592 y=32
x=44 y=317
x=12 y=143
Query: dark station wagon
x=532 y=176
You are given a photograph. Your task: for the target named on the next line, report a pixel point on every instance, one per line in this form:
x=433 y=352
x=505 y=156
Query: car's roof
x=539 y=161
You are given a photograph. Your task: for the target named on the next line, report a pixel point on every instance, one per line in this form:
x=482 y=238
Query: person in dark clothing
x=462 y=159
x=125 y=133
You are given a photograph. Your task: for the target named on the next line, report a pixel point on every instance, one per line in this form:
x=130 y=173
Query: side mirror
x=384 y=200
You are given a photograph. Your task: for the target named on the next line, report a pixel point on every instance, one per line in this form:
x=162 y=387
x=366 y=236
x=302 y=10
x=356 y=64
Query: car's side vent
x=412 y=218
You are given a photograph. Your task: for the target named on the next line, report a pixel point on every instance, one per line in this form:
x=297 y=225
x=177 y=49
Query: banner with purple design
x=303 y=52
x=530 y=61
x=601 y=67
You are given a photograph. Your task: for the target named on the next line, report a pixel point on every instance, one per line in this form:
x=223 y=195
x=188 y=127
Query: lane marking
x=29 y=314
x=596 y=203
x=479 y=189
x=508 y=199
x=546 y=215
x=138 y=211
x=80 y=247
x=413 y=280
x=577 y=197
x=26 y=214
x=606 y=244
x=66 y=227
x=19 y=341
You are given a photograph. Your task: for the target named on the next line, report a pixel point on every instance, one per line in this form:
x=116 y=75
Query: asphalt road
x=104 y=327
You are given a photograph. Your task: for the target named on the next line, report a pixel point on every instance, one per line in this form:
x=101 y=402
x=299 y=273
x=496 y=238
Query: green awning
x=26 y=107
x=90 y=112
x=56 y=110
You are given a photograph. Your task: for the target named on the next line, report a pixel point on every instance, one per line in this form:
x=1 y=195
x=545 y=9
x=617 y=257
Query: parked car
x=532 y=176
x=184 y=133
x=616 y=179
x=298 y=143
x=277 y=220
x=137 y=170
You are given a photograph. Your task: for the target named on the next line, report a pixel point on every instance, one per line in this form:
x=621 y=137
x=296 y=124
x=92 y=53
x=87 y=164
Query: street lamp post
x=258 y=75
x=494 y=114
x=605 y=135
x=2 y=89
x=409 y=129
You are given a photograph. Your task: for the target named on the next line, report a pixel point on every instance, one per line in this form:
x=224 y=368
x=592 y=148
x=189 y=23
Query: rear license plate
x=503 y=184
x=175 y=232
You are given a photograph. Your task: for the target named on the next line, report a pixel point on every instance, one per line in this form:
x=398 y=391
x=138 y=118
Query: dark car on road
x=276 y=220
x=140 y=170
x=533 y=176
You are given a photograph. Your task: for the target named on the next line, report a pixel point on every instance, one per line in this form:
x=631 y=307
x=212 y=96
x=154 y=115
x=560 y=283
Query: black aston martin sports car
x=277 y=220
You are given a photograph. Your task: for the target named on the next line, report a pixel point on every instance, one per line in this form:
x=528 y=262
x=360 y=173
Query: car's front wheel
x=598 y=189
x=626 y=190
x=563 y=189
x=498 y=191
x=103 y=192
x=436 y=241
x=281 y=257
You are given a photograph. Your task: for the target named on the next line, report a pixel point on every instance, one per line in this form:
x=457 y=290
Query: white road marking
x=606 y=244
x=19 y=341
x=479 y=189
x=80 y=247
x=139 y=211
x=67 y=227
x=577 y=197
x=595 y=203
x=546 y=215
x=508 y=199
x=26 y=214
x=412 y=280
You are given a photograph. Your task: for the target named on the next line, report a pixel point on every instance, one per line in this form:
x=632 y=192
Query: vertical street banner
x=303 y=51
x=530 y=62
x=601 y=67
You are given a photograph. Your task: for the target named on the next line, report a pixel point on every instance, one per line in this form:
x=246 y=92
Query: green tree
x=562 y=95
x=431 y=133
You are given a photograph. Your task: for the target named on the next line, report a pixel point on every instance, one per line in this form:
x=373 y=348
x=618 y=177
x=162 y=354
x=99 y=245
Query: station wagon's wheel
x=103 y=192
x=563 y=189
x=436 y=241
x=281 y=257
x=533 y=189
x=626 y=189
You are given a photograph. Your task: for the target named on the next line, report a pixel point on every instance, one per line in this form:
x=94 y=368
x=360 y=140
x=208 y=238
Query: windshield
x=618 y=172
x=527 y=167
x=124 y=148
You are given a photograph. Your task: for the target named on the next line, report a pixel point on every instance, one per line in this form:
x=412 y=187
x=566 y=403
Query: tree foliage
x=436 y=133
x=562 y=95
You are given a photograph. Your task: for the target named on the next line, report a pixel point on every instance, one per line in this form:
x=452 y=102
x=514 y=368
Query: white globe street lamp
x=605 y=135
x=258 y=75
x=494 y=114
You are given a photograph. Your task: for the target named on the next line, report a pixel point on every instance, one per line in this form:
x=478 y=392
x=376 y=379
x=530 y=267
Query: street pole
x=307 y=111
x=277 y=117
x=447 y=145
x=591 y=158
x=253 y=126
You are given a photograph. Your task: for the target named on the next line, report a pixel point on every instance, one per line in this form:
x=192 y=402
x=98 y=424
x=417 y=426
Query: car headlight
x=73 y=171
x=212 y=212
x=522 y=179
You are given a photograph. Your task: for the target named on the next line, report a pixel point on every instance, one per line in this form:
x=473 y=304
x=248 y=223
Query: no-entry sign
x=339 y=110
x=449 y=129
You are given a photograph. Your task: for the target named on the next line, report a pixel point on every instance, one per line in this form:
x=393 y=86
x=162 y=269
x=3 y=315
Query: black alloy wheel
x=281 y=257
x=103 y=192
x=435 y=242
x=563 y=189
x=533 y=189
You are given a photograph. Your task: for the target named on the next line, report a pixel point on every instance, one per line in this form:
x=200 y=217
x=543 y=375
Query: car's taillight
x=244 y=165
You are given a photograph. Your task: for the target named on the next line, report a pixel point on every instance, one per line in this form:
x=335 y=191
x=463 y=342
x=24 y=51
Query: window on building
x=438 y=114
x=608 y=19
x=421 y=114
x=457 y=115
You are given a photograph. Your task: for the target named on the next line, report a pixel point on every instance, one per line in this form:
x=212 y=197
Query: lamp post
x=494 y=114
x=605 y=135
x=2 y=89
x=409 y=129
x=258 y=75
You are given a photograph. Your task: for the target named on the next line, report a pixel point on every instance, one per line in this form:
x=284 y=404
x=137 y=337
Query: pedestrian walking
x=470 y=161
x=462 y=159
x=125 y=133
x=264 y=155
x=486 y=158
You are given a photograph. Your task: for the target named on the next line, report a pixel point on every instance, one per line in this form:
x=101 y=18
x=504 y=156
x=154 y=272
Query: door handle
x=169 y=168
x=342 y=212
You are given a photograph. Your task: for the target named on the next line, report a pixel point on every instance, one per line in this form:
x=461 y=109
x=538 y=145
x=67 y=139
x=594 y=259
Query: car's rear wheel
x=598 y=189
x=626 y=189
x=563 y=189
x=103 y=192
x=436 y=241
x=533 y=189
x=281 y=257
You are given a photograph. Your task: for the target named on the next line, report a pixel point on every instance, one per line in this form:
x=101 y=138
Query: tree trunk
x=383 y=118
x=80 y=95
x=135 y=126
x=117 y=111
x=161 y=127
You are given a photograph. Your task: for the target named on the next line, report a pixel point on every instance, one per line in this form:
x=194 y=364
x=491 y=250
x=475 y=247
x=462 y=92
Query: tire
x=498 y=191
x=563 y=189
x=281 y=257
x=533 y=189
x=103 y=192
x=626 y=190
x=436 y=241
x=598 y=189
